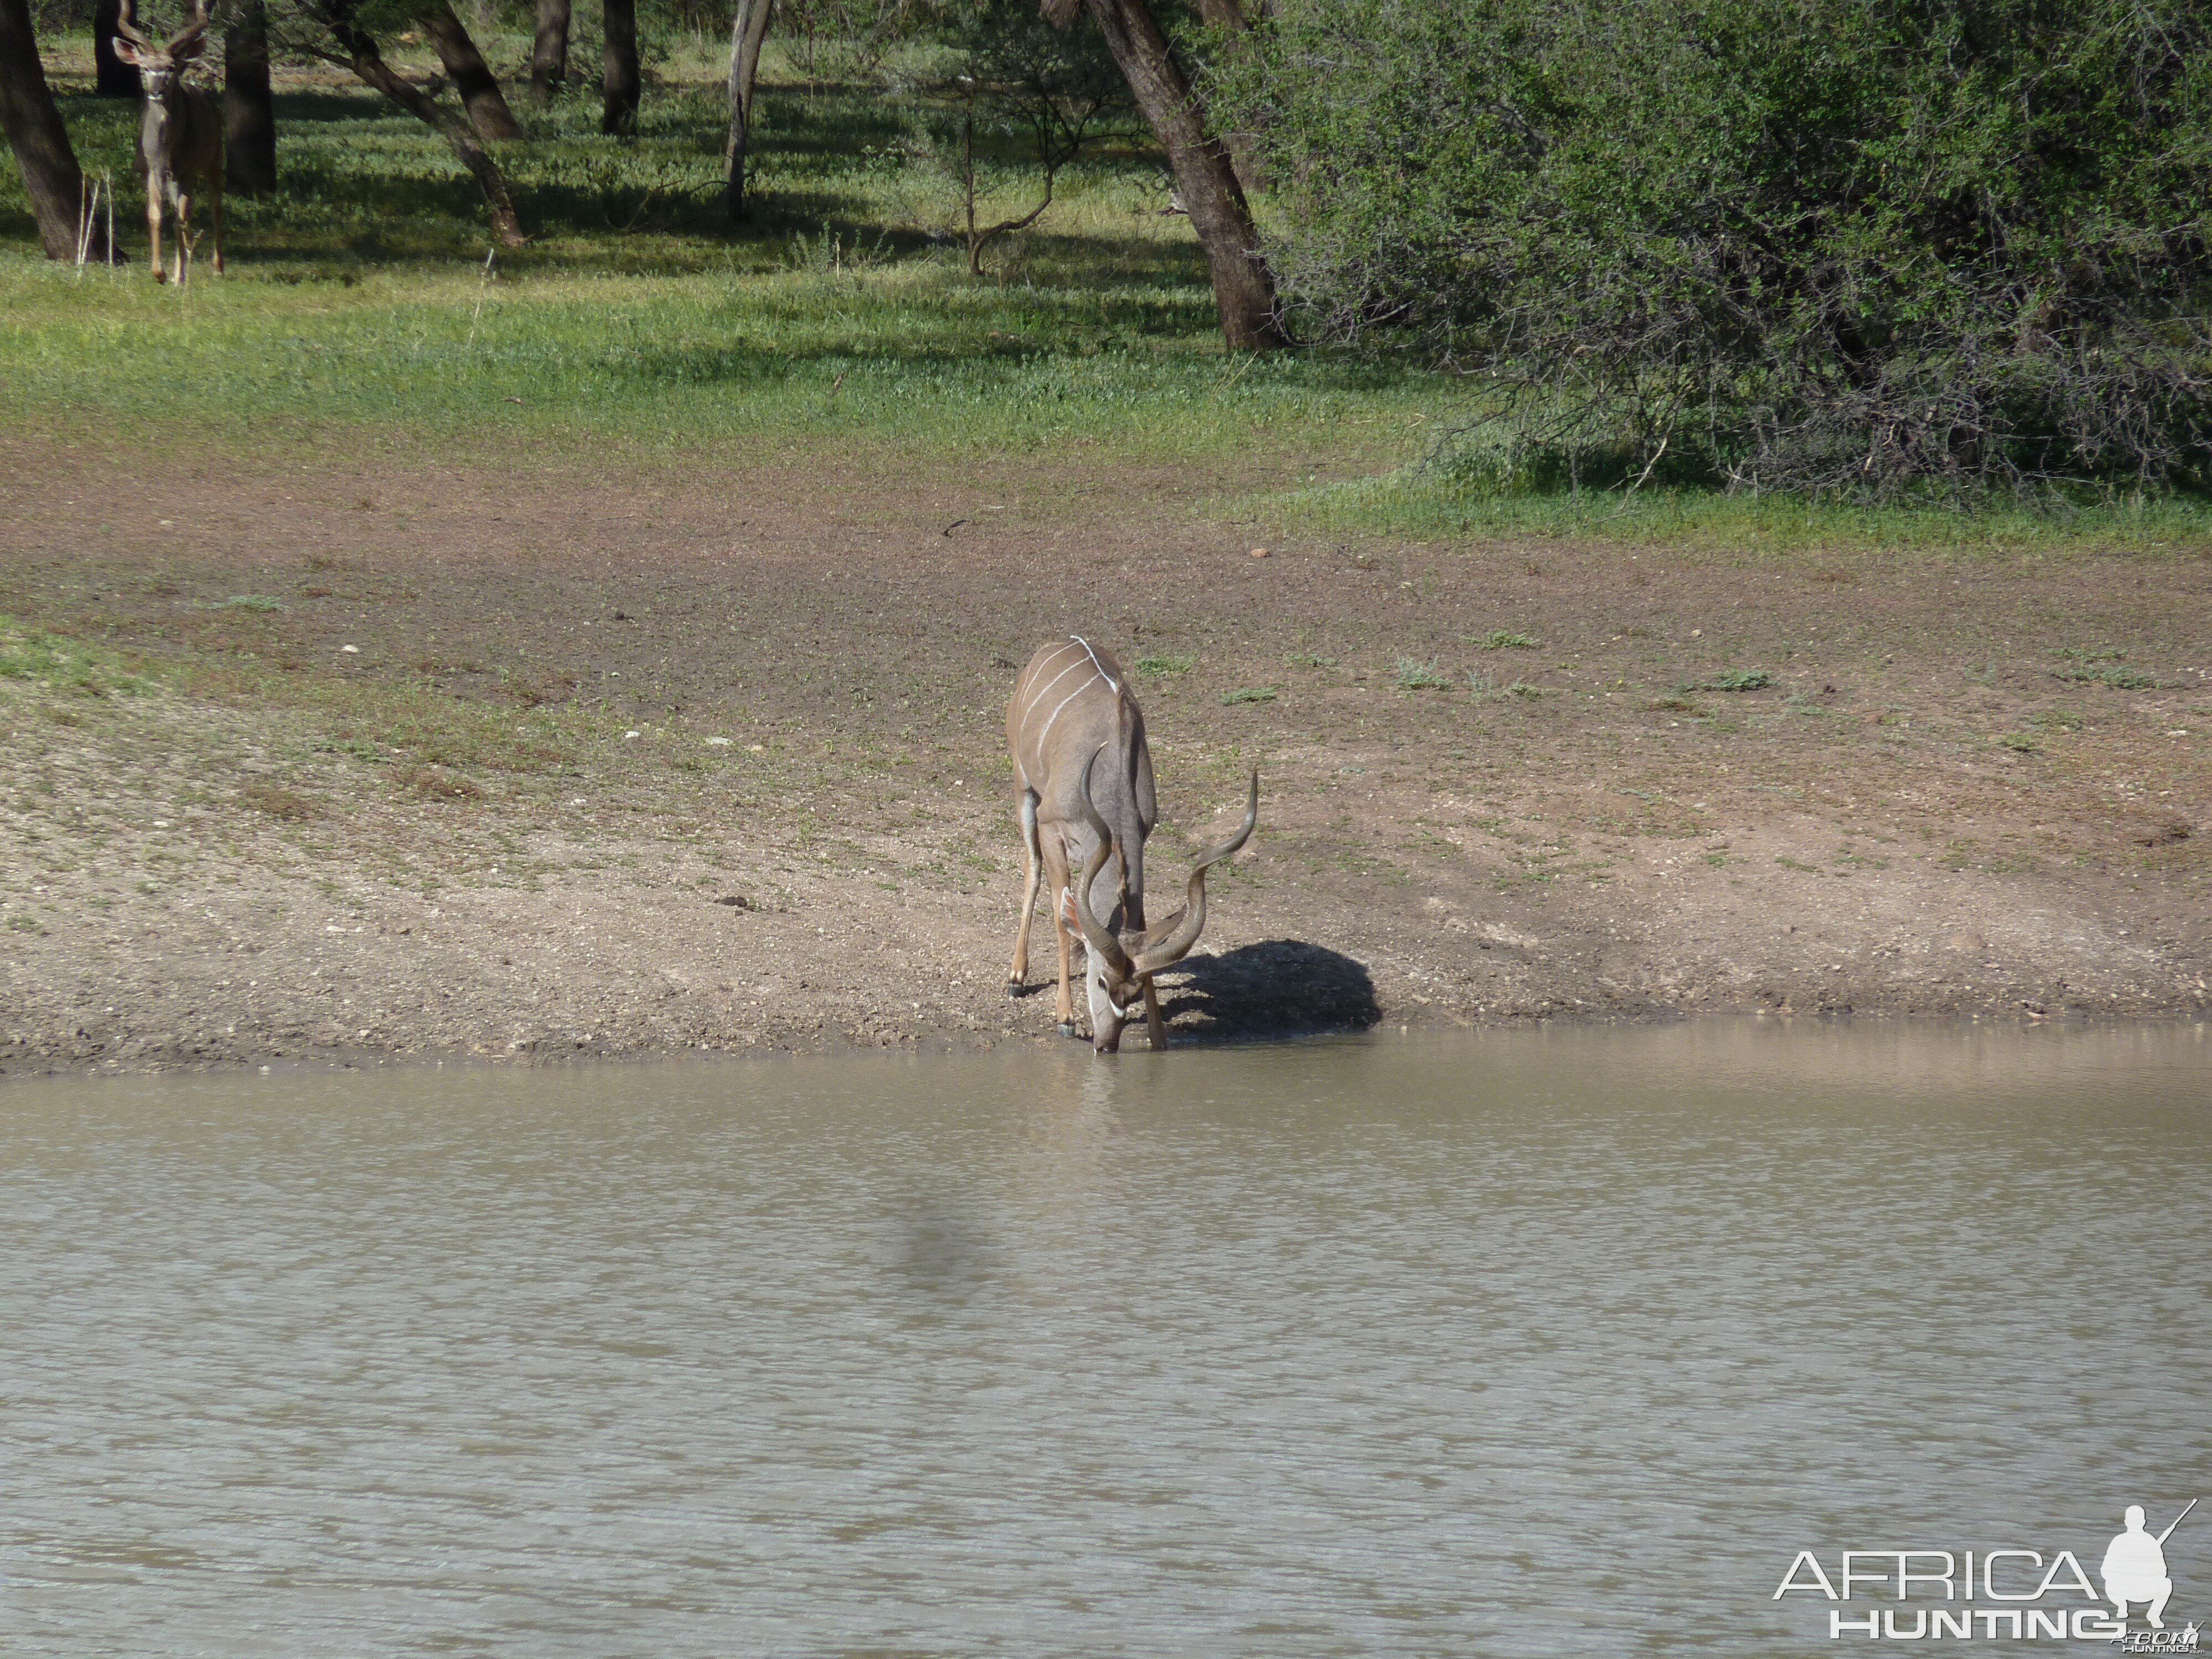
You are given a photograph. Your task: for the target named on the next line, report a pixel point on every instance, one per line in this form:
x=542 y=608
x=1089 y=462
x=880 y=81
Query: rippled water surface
x=1532 y=1343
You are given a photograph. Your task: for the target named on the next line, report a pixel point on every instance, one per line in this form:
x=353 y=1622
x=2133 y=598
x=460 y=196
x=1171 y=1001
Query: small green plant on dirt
x=62 y=664
x=1413 y=676
x=2086 y=653
x=1307 y=660
x=1732 y=679
x=1250 y=694
x=1158 y=667
x=2020 y=742
x=1672 y=706
x=2053 y=719
x=256 y=602
x=1500 y=638
x=1523 y=689
x=2111 y=674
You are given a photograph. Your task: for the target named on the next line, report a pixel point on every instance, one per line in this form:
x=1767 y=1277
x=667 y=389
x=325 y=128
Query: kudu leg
x=154 y=236
x=1032 y=873
x=215 y=207
x=1066 y=1008
x=1156 y=1028
x=1055 y=858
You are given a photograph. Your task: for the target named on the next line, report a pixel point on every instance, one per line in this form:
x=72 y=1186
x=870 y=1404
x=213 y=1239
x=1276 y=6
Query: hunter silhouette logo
x=2017 y=1594
x=2135 y=1567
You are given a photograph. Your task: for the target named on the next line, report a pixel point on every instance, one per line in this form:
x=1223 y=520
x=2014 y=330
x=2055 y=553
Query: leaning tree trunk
x=1243 y=291
x=549 y=52
x=621 y=80
x=40 y=140
x=111 y=76
x=748 y=28
x=366 y=62
x=249 y=115
x=471 y=76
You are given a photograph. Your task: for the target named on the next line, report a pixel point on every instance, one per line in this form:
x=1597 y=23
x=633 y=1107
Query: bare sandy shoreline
x=448 y=842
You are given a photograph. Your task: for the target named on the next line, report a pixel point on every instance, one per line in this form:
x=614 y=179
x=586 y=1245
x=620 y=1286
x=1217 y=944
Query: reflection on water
x=1525 y=1343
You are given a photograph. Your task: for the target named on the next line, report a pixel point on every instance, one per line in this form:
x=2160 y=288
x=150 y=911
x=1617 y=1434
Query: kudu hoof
x=1067 y=1029
x=1014 y=990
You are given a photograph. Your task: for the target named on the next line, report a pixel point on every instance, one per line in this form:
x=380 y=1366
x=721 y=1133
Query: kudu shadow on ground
x=1280 y=987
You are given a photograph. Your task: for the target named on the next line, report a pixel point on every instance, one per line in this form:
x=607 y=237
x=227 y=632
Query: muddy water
x=1535 y=1343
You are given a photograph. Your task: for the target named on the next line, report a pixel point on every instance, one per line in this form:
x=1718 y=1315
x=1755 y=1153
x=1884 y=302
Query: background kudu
x=1077 y=740
x=180 y=136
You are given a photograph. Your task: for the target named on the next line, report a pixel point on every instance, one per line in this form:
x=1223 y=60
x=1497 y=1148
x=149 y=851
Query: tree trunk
x=368 y=64
x=748 y=28
x=548 y=52
x=111 y=76
x=1233 y=18
x=471 y=76
x=249 y=117
x=620 y=81
x=1243 y=291
x=40 y=140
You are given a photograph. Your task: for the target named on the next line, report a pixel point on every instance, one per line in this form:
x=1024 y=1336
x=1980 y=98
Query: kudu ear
x=126 y=53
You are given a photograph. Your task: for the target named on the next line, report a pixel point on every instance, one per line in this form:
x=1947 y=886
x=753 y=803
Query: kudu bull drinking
x=180 y=135
x=1086 y=772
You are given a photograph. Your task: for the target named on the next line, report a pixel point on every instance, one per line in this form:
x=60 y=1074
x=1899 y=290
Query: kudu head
x=159 y=67
x=1119 y=970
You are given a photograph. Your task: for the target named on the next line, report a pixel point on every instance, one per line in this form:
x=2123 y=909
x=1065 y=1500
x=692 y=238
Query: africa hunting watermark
x=2014 y=1583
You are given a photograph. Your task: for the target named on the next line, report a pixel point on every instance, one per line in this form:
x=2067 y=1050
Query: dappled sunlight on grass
x=360 y=294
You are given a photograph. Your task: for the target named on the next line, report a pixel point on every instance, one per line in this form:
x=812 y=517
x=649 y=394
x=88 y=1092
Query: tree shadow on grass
x=1281 y=988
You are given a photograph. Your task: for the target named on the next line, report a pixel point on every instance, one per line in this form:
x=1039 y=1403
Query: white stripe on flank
x=1037 y=696
x=1063 y=702
x=1094 y=663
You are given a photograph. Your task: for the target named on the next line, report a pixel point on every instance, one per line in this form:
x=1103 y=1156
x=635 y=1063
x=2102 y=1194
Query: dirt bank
x=573 y=764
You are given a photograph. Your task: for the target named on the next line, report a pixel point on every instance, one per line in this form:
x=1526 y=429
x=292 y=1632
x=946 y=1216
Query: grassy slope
x=359 y=299
x=360 y=310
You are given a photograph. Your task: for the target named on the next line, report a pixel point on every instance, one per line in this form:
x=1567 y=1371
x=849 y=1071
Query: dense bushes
x=1856 y=245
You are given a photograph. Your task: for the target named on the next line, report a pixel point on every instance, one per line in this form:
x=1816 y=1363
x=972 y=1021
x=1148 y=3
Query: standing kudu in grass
x=1085 y=771
x=179 y=136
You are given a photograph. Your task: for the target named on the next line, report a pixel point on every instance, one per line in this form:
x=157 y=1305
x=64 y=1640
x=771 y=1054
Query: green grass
x=62 y=664
x=1418 y=502
x=360 y=312
x=358 y=298
x=1412 y=675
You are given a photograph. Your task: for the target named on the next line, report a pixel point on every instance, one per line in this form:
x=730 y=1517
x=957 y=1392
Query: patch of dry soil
x=301 y=850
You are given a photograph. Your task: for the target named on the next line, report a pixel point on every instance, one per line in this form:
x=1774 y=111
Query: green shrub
x=1850 y=247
